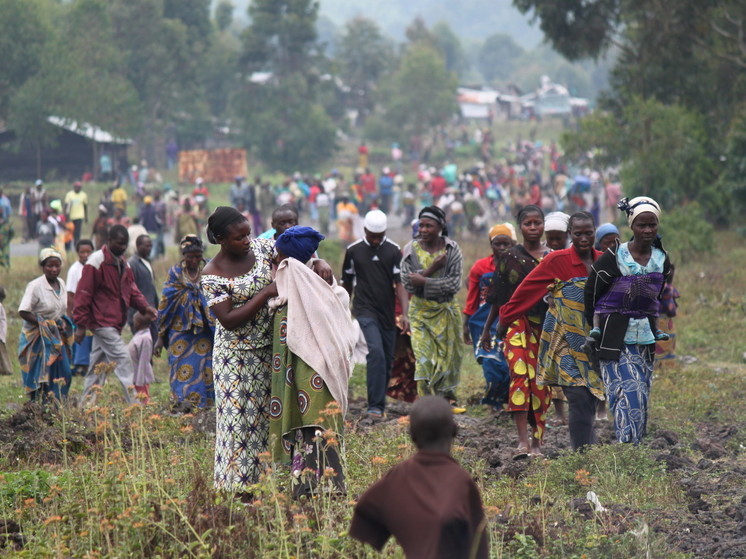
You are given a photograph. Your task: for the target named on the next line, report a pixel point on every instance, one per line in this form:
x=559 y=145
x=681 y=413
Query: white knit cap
x=375 y=221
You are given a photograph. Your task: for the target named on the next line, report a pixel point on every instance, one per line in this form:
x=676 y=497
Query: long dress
x=436 y=331
x=242 y=375
x=525 y=394
x=306 y=422
x=187 y=329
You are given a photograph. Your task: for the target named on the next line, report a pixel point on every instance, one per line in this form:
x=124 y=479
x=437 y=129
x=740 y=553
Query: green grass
x=136 y=482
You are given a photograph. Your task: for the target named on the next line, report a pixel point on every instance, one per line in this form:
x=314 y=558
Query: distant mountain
x=470 y=20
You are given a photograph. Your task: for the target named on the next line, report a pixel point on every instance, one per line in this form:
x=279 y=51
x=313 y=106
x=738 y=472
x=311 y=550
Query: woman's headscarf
x=47 y=253
x=605 y=229
x=191 y=243
x=637 y=206
x=299 y=242
x=437 y=215
x=506 y=229
x=557 y=221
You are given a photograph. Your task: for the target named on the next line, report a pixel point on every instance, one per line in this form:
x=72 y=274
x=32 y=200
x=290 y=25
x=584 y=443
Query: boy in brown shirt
x=429 y=502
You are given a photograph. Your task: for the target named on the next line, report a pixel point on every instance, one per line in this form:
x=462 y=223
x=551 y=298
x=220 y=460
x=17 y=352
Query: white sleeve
x=73 y=277
x=29 y=298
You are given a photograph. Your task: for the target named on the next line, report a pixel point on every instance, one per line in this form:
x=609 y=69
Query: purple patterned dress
x=242 y=375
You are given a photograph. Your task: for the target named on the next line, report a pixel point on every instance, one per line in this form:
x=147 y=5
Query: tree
x=224 y=15
x=662 y=151
x=162 y=63
x=282 y=118
x=23 y=32
x=364 y=57
x=80 y=78
x=576 y=28
x=282 y=36
x=421 y=94
x=449 y=46
x=286 y=127
x=498 y=57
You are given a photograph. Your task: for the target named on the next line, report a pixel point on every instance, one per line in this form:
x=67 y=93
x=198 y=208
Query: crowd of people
x=263 y=333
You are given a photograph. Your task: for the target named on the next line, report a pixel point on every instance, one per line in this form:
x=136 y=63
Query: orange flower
x=378 y=460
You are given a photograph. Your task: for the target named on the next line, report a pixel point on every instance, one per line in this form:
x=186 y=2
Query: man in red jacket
x=105 y=292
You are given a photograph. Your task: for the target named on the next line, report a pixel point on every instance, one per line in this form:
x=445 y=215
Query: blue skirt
x=628 y=390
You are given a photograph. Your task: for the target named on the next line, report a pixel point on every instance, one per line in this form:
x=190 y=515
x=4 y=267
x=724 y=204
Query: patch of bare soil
x=710 y=471
x=38 y=434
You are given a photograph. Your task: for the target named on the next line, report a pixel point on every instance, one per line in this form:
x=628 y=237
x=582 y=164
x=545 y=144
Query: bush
x=686 y=233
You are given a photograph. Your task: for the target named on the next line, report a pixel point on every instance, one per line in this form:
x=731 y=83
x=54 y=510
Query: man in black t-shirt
x=371 y=270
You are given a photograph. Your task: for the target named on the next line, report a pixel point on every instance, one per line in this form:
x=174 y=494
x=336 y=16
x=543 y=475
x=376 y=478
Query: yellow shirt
x=76 y=203
x=119 y=198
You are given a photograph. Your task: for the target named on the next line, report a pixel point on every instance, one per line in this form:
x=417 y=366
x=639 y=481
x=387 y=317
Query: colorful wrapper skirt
x=525 y=394
x=628 y=390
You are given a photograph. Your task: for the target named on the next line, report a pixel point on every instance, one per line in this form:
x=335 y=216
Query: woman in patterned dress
x=561 y=360
x=186 y=328
x=237 y=284
x=528 y=402
x=625 y=287
x=314 y=339
x=431 y=272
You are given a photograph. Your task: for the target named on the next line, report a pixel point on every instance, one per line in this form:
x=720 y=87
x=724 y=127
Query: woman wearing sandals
x=527 y=400
x=431 y=272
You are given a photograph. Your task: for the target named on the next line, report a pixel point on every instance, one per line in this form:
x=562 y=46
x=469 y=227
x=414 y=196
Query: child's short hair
x=83 y=242
x=2 y=294
x=140 y=321
x=431 y=421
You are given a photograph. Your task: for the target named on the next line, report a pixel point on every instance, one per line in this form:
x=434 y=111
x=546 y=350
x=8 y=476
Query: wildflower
x=299 y=517
x=583 y=477
x=329 y=472
x=403 y=420
x=52 y=519
x=492 y=511
x=378 y=460
x=264 y=457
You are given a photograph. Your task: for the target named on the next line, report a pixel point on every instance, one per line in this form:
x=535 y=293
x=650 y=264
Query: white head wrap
x=637 y=206
x=556 y=221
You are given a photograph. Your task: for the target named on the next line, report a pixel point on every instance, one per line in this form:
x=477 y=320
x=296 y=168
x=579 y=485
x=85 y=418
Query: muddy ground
x=713 y=526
